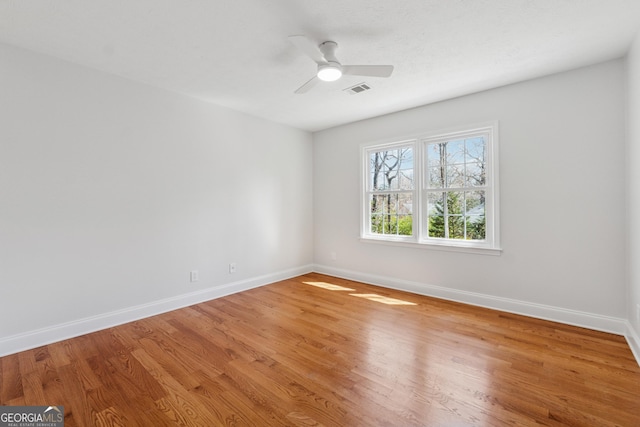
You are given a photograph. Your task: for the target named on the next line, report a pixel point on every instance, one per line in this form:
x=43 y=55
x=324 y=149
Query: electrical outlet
x=333 y=256
x=194 y=276
x=638 y=312
x=232 y=268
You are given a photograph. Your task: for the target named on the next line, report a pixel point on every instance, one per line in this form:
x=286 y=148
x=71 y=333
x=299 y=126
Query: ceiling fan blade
x=368 y=70
x=308 y=85
x=307 y=47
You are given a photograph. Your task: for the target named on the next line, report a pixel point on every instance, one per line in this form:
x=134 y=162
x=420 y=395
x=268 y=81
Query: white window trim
x=490 y=246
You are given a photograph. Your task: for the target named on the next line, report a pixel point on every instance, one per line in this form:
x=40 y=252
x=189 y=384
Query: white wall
x=562 y=143
x=633 y=180
x=112 y=191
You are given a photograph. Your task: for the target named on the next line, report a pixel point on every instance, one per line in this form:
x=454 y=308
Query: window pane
x=455 y=176
x=436 y=177
x=475 y=215
x=435 y=215
x=392 y=213
x=406 y=179
x=405 y=225
x=377 y=181
x=474 y=202
x=435 y=203
x=406 y=157
x=405 y=203
x=455 y=203
x=455 y=225
x=391 y=169
x=455 y=151
x=475 y=149
x=475 y=174
x=376 y=224
x=377 y=204
x=476 y=227
x=476 y=161
x=457 y=164
x=435 y=154
x=445 y=214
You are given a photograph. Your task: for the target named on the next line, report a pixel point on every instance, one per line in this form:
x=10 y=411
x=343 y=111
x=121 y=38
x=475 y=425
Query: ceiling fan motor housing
x=331 y=70
x=328 y=50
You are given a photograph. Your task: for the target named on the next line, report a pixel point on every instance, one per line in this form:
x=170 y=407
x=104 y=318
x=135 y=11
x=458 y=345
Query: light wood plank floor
x=299 y=352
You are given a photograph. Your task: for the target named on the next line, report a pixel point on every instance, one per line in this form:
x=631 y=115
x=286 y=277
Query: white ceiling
x=235 y=53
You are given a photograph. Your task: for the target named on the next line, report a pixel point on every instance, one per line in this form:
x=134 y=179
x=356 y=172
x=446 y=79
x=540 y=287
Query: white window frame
x=490 y=245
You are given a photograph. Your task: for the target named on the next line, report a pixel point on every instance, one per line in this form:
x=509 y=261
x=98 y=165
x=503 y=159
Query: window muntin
x=434 y=190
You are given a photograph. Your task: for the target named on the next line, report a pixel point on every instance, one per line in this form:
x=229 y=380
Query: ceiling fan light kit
x=329 y=68
x=330 y=72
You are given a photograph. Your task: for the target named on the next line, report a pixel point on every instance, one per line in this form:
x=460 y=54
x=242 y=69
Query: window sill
x=434 y=246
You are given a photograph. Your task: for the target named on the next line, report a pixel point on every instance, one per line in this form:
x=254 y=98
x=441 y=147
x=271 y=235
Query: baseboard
x=634 y=341
x=557 y=314
x=48 y=335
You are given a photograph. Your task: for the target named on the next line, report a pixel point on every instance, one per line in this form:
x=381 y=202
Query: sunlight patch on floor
x=329 y=286
x=383 y=300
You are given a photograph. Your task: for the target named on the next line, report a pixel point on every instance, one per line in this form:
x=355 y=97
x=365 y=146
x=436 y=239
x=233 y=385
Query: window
x=391 y=192
x=436 y=189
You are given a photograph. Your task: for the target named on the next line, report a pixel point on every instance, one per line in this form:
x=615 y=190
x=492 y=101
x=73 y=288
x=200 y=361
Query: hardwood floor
x=306 y=352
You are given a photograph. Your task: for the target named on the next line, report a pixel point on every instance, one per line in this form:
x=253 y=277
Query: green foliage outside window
x=453 y=221
x=392 y=224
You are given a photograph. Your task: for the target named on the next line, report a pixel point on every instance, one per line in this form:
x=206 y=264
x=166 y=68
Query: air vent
x=359 y=88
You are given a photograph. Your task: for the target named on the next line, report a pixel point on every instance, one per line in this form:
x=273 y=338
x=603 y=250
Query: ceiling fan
x=329 y=68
